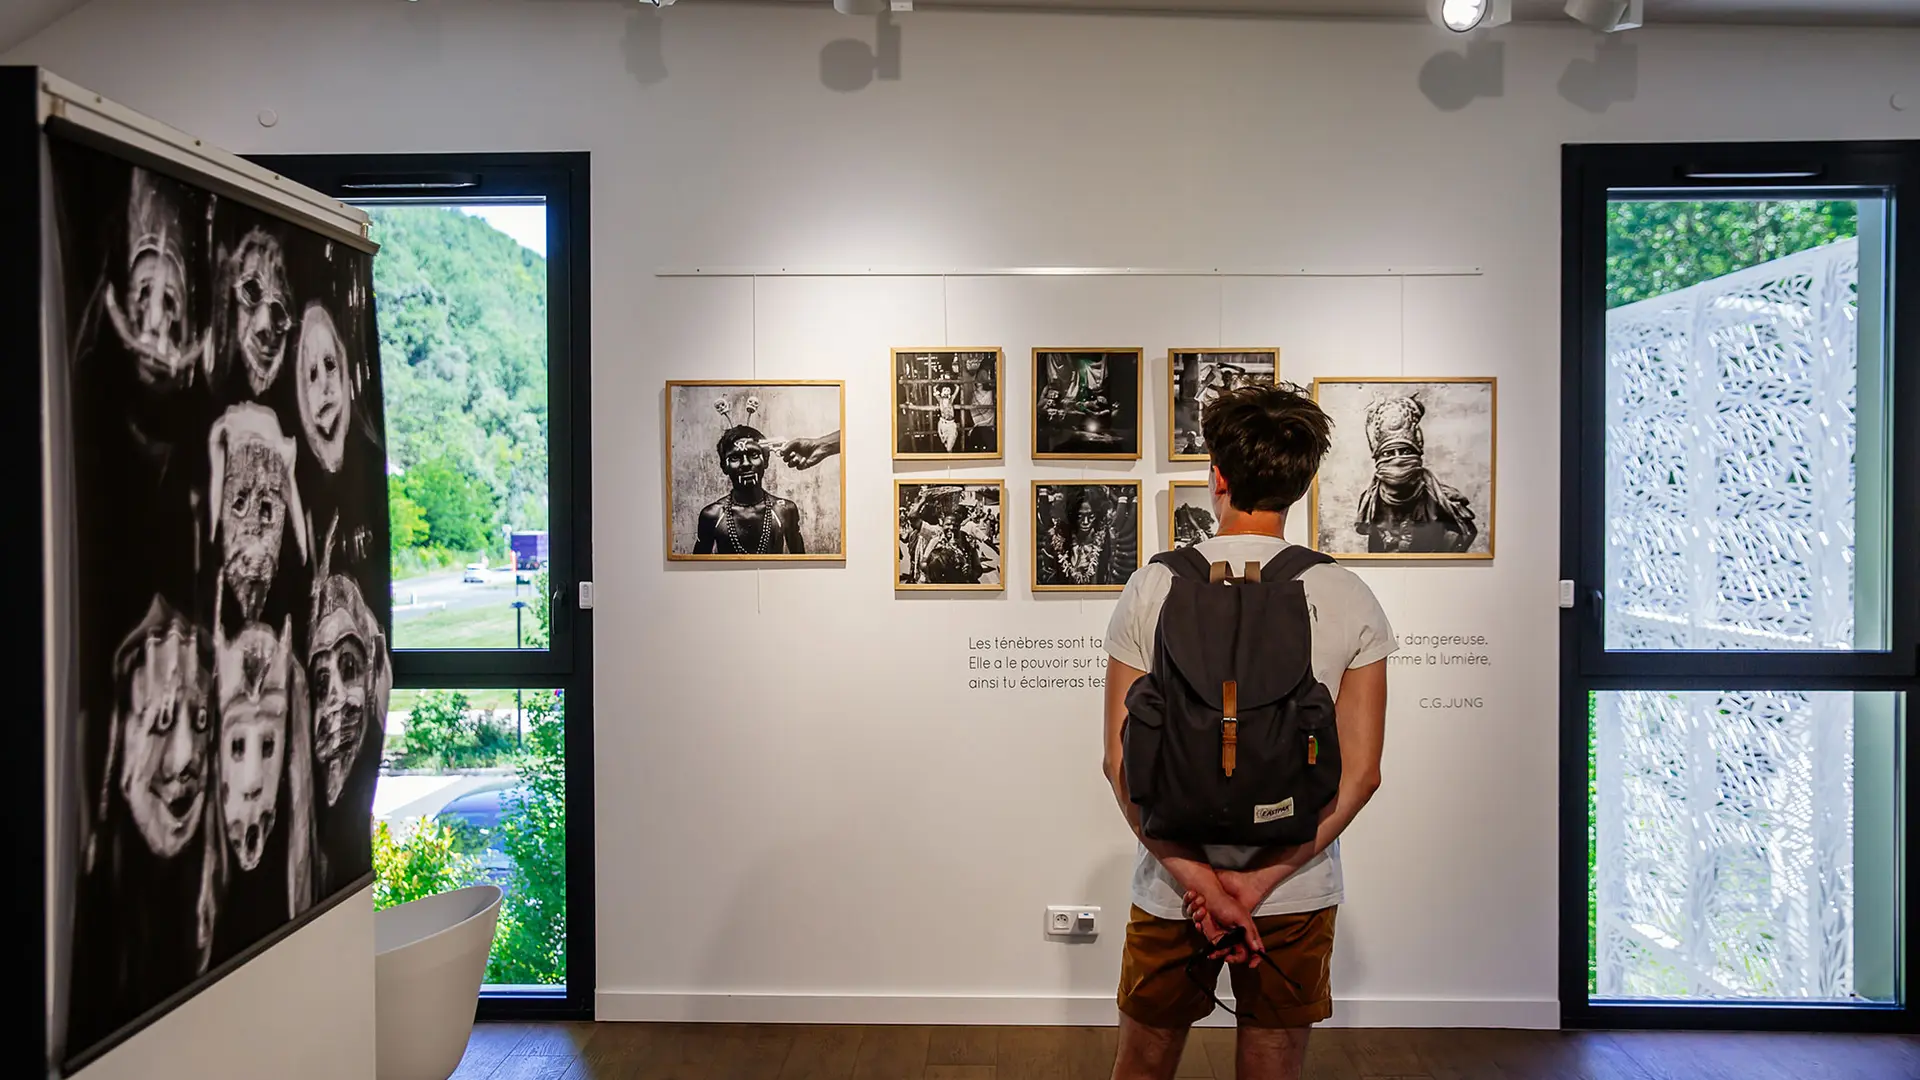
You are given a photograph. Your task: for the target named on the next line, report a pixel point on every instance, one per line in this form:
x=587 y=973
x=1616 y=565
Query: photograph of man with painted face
x=1086 y=534
x=740 y=484
x=1086 y=403
x=221 y=395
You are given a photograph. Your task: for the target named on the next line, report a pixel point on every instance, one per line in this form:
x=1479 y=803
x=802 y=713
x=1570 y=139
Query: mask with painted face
x=259 y=317
x=351 y=680
x=253 y=673
x=320 y=384
x=163 y=727
x=254 y=501
x=153 y=321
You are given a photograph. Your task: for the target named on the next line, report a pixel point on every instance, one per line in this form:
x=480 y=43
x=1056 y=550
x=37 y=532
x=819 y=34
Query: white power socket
x=1073 y=920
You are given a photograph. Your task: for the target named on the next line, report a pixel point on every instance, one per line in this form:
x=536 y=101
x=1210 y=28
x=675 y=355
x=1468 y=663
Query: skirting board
x=1016 y=1011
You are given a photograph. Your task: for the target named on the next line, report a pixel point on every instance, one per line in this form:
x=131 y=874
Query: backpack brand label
x=1273 y=811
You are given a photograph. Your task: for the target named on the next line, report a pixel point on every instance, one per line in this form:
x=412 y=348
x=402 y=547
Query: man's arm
x=1361 y=717
x=1188 y=866
x=789 y=521
x=703 y=533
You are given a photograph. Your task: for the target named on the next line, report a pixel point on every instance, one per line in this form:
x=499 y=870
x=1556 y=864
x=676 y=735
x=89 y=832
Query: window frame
x=1591 y=176
x=563 y=181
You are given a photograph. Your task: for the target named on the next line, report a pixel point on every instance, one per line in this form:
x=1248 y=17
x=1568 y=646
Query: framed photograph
x=1197 y=376
x=1086 y=534
x=1189 y=514
x=1086 y=404
x=1411 y=472
x=952 y=535
x=946 y=404
x=755 y=470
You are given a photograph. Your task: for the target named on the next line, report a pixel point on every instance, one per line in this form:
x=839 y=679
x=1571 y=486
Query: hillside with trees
x=463 y=349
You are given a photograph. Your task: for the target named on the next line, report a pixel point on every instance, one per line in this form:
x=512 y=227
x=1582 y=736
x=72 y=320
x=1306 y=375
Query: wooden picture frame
x=1121 y=564
x=736 y=392
x=963 y=410
x=1174 y=488
x=1174 y=452
x=1131 y=418
x=900 y=487
x=1481 y=496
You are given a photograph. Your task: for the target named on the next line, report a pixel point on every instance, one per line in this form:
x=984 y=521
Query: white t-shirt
x=1349 y=631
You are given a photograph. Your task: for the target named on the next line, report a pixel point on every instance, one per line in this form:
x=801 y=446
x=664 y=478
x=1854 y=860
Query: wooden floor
x=769 y=1052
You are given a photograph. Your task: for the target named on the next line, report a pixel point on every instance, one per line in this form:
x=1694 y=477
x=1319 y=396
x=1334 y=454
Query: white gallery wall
x=804 y=813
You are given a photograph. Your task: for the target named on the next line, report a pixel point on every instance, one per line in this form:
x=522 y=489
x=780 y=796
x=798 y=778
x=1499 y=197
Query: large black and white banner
x=230 y=580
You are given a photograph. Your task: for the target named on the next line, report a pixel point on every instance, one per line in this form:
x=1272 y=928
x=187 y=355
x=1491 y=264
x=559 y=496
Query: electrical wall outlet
x=1073 y=920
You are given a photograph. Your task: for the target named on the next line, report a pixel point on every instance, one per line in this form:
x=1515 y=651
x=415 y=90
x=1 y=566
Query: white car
x=476 y=574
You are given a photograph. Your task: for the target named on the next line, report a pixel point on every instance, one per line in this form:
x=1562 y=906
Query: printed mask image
x=351 y=680
x=320 y=384
x=254 y=673
x=254 y=502
x=151 y=317
x=258 y=314
x=162 y=729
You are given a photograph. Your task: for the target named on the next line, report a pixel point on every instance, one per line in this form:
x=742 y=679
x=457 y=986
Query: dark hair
x=733 y=435
x=1267 y=442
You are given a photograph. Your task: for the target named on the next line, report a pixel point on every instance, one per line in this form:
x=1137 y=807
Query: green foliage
x=463 y=352
x=406 y=523
x=428 y=860
x=531 y=946
x=458 y=508
x=540 y=634
x=1654 y=248
x=444 y=731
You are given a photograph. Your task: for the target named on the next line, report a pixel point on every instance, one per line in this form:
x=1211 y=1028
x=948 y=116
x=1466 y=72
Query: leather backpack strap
x=1185 y=562
x=1293 y=562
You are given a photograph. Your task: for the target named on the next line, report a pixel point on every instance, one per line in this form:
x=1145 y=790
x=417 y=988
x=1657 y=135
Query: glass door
x=479 y=290
x=1740 y=650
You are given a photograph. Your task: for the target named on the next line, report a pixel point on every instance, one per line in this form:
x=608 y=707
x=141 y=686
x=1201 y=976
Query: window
x=480 y=297
x=1737 y=664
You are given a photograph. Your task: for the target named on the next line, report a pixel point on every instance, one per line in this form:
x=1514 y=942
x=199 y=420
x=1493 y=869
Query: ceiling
x=21 y=19
x=1724 y=12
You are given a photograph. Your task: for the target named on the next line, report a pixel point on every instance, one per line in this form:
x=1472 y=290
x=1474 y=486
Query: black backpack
x=1230 y=739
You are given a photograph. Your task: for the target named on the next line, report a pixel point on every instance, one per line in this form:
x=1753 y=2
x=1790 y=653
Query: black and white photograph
x=1411 y=471
x=755 y=470
x=946 y=404
x=1195 y=377
x=1086 y=404
x=1190 y=517
x=229 y=534
x=1086 y=534
x=952 y=535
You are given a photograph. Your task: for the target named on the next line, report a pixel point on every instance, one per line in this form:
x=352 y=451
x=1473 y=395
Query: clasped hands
x=1216 y=911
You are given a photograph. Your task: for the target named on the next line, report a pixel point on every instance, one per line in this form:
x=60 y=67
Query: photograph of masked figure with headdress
x=1411 y=471
x=738 y=485
x=228 y=525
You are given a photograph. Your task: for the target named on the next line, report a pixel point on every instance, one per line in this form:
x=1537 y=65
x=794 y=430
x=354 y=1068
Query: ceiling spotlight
x=1461 y=16
x=1608 y=16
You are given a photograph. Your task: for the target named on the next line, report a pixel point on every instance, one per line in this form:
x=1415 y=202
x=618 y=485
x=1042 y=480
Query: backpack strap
x=1187 y=563
x=1293 y=562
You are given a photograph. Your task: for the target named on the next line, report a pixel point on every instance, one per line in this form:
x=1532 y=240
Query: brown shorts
x=1290 y=989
